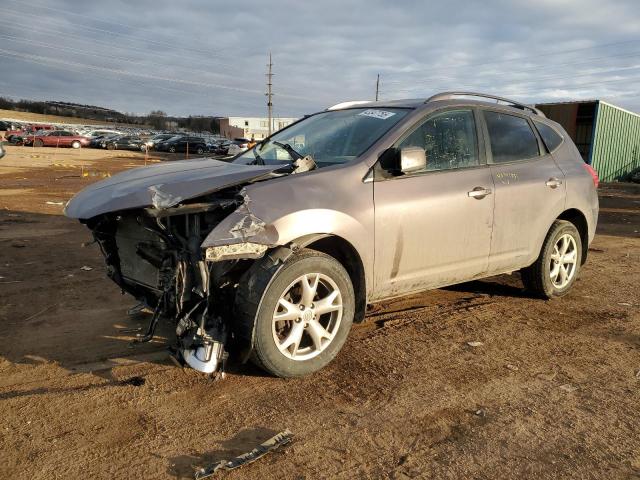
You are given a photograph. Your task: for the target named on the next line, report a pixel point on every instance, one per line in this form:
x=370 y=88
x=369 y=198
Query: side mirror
x=413 y=159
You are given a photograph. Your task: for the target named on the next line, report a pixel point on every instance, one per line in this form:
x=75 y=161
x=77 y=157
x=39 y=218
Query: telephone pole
x=269 y=94
x=377 y=86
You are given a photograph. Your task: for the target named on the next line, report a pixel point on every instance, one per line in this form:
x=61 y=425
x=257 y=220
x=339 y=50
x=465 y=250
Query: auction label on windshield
x=379 y=114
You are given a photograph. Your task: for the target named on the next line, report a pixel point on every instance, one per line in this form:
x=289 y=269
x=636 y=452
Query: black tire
x=200 y=151
x=38 y=143
x=111 y=146
x=536 y=277
x=172 y=149
x=259 y=293
x=143 y=148
x=76 y=144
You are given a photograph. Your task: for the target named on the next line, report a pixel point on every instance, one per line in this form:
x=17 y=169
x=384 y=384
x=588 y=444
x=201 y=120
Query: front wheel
x=172 y=149
x=38 y=143
x=75 y=144
x=299 y=313
x=556 y=269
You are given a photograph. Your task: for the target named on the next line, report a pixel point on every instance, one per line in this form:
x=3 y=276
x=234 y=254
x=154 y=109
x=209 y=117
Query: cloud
x=202 y=57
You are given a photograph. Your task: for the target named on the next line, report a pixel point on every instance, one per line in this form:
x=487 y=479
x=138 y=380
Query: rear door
x=65 y=138
x=529 y=189
x=433 y=227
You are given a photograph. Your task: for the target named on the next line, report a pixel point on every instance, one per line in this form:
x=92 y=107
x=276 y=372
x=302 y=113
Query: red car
x=27 y=130
x=58 y=138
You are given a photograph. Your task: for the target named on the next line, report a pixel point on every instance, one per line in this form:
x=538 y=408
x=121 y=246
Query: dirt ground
x=553 y=391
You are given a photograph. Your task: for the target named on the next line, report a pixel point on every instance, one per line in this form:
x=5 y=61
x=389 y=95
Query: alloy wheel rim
x=307 y=316
x=562 y=267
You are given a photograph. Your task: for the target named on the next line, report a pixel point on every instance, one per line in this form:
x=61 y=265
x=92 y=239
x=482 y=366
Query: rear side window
x=550 y=137
x=511 y=137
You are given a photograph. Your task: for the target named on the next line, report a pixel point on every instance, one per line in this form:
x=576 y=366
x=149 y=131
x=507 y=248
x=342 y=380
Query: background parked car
x=126 y=142
x=61 y=138
x=183 y=145
x=102 y=133
x=27 y=140
x=220 y=147
x=17 y=134
x=151 y=143
x=238 y=145
x=102 y=141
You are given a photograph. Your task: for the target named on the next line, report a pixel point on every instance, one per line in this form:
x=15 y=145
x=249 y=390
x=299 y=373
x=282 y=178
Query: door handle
x=553 y=182
x=479 y=192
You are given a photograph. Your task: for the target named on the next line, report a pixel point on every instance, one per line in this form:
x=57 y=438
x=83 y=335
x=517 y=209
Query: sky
x=203 y=57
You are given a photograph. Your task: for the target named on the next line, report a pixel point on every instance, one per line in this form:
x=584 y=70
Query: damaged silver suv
x=273 y=256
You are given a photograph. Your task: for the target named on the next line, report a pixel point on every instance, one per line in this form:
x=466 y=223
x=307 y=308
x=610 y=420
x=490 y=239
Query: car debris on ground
x=275 y=442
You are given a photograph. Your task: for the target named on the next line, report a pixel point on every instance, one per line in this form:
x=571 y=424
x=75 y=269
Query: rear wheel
x=556 y=269
x=172 y=149
x=38 y=143
x=75 y=144
x=200 y=150
x=299 y=313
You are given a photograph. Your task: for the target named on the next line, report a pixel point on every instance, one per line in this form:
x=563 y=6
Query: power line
x=12 y=38
x=518 y=59
x=110 y=32
x=537 y=68
x=54 y=62
x=128 y=48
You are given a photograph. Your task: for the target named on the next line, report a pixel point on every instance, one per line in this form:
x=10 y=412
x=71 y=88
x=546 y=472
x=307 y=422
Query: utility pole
x=377 y=86
x=269 y=94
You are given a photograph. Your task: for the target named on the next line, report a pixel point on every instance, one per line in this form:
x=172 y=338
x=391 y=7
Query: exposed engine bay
x=156 y=254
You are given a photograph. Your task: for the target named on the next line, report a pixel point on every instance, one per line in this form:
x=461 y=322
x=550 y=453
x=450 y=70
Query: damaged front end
x=156 y=256
x=155 y=251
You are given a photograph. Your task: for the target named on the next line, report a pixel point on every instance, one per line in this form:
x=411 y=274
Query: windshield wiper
x=289 y=149
x=258 y=159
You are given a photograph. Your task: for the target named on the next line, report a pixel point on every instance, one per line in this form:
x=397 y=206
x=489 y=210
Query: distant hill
x=66 y=112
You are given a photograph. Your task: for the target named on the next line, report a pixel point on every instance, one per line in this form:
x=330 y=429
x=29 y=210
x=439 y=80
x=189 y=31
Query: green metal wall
x=616 y=143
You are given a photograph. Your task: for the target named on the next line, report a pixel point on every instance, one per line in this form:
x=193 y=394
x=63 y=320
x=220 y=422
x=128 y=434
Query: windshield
x=329 y=137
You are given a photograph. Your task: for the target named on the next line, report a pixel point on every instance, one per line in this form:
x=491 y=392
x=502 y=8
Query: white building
x=258 y=127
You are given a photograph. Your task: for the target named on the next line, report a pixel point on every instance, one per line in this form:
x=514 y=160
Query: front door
x=433 y=227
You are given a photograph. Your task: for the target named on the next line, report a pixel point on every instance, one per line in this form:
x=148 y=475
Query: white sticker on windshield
x=379 y=114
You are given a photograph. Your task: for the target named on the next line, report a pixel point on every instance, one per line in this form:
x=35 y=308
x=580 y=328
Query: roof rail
x=450 y=95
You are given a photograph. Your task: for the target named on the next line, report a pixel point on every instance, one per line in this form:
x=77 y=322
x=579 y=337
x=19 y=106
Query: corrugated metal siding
x=616 y=145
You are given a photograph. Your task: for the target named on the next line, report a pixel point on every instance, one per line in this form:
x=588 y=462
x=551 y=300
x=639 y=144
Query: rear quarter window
x=511 y=137
x=550 y=137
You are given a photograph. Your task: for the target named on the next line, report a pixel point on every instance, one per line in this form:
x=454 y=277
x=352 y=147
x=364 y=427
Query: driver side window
x=449 y=140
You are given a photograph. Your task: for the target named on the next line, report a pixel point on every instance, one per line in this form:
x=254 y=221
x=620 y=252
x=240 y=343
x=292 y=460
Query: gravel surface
x=472 y=381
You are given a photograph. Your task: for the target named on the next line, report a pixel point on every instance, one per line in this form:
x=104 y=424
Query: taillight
x=593 y=173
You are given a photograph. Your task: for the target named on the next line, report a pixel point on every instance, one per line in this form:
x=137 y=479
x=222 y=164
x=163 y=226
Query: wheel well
x=580 y=222
x=348 y=256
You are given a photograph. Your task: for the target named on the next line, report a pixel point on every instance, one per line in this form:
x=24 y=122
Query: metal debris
x=475 y=344
x=86 y=268
x=261 y=450
x=567 y=387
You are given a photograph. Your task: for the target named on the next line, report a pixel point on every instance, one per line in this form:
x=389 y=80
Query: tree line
x=156 y=119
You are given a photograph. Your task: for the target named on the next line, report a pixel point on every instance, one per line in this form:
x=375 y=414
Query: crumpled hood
x=162 y=185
